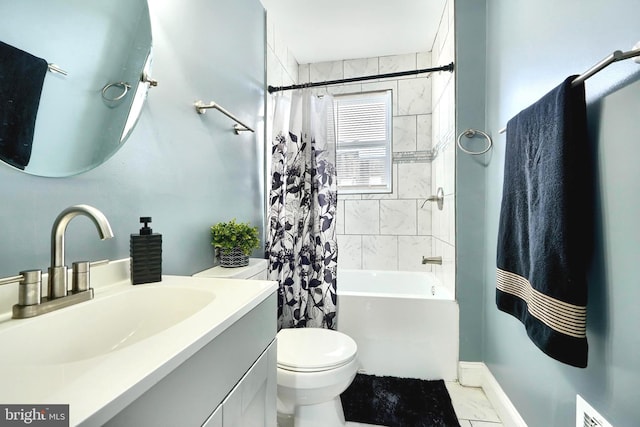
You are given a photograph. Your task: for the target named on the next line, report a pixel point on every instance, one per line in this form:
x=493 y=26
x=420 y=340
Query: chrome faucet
x=30 y=300
x=58 y=270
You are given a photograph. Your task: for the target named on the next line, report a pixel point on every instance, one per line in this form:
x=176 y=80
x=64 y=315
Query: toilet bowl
x=314 y=366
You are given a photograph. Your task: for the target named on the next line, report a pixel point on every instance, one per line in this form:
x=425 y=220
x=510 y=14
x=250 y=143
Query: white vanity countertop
x=106 y=382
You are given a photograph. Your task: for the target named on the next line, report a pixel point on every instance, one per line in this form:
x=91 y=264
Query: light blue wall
x=470 y=170
x=185 y=170
x=530 y=48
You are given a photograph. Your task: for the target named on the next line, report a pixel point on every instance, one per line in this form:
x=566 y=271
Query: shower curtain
x=301 y=245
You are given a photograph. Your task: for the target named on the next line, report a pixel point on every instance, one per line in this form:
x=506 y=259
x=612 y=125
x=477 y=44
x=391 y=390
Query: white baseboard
x=477 y=374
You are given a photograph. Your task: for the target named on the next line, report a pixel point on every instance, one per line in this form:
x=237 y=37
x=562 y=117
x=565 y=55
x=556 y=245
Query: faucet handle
x=80 y=274
x=29 y=288
x=438 y=198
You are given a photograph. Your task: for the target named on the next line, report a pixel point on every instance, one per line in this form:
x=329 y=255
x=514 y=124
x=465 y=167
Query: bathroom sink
x=102 y=325
x=99 y=356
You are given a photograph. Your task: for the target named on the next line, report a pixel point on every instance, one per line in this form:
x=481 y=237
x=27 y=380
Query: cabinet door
x=215 y=420
x=252 y=402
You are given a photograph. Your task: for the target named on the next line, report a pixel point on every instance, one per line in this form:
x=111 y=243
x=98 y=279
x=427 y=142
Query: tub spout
x=432 y=260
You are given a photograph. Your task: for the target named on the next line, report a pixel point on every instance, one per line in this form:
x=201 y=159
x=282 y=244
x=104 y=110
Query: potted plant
x=234 y=242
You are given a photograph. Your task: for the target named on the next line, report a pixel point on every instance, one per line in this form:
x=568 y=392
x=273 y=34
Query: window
x=363 y=149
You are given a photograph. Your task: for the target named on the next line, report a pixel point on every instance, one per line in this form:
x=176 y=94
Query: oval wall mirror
x=97 y=55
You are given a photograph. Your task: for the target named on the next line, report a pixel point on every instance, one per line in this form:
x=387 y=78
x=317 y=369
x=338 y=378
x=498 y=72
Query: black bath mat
x=398 y=402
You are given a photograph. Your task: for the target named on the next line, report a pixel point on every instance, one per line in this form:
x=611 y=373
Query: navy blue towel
x=545 y=231
x=21 y=79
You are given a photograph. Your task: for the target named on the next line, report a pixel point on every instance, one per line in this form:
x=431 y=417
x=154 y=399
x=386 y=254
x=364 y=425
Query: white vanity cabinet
x=230 y=381
x=215 y=420
x=252 y=402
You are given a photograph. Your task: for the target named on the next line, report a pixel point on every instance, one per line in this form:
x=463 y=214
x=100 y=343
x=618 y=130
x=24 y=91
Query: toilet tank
x=256 y=270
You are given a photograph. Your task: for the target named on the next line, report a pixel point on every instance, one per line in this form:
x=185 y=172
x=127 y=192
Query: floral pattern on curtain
x=301 y=244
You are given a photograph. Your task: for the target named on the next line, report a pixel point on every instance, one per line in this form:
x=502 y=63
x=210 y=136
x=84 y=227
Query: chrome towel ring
x=470 y=133
x=124 y=86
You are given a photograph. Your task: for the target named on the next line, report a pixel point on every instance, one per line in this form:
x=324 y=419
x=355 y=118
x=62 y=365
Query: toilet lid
x=314 y=349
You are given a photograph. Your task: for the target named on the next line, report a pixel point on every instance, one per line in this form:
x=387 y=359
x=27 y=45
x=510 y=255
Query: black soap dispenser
x=146 y=255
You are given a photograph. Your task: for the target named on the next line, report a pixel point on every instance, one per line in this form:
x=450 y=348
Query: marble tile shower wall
x=282 y=67
x=388 y=231
x=393 y=231
x=444 y=148
x=282 y=70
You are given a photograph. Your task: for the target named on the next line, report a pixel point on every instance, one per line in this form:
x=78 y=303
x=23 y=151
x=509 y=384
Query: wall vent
x=586 y=416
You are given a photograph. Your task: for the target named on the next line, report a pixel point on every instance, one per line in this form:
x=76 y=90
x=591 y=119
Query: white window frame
x=376 y=140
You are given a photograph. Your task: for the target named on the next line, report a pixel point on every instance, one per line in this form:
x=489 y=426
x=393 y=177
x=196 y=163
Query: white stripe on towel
x=568 y=319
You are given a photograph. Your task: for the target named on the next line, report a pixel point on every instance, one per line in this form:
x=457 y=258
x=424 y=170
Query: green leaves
x=228 y=235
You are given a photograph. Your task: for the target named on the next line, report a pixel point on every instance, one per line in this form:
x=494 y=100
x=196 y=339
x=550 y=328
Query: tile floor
x=471 y=405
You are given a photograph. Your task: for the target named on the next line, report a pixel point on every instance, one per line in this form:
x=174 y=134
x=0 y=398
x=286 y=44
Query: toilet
x=314 y=365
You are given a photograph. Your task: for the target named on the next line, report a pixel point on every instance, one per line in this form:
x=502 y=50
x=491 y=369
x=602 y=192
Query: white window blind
x=363 y=150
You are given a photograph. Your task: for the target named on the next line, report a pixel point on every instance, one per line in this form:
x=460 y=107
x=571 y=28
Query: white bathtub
x=405 y=323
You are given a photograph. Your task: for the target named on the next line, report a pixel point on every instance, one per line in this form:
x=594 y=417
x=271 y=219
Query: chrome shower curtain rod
x=448 y=67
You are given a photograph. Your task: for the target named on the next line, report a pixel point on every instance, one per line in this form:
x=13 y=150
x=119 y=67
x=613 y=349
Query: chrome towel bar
x=616 y=56
x=201 y=108
x=55 y=69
